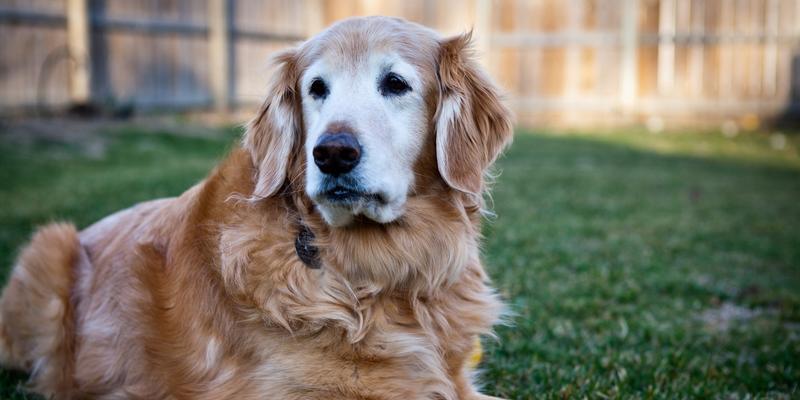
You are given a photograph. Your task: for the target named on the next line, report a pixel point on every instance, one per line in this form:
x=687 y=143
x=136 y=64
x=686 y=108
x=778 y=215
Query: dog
x=334 y=254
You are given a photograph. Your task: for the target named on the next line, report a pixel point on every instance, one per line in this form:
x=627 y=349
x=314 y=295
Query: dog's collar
x=306 y=251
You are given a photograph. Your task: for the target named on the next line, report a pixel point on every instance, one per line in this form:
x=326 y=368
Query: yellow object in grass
x=476 y=354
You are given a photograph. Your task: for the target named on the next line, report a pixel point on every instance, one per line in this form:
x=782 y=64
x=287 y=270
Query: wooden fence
x=566 y=61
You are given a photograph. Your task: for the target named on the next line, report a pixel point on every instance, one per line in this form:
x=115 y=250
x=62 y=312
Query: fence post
x=78 y=46
x=629 y=63
x=219 y=32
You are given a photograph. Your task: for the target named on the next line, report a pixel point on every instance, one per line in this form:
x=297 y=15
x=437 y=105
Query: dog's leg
x=36 y=315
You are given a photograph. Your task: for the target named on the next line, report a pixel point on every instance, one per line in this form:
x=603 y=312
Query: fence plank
x=572 y=62
x=219 y=52
x=629 y=55
x=315 y=17
x=78 y=49
x=771 y=51
x=483 y=31
x=666 y=46
x=697 y=57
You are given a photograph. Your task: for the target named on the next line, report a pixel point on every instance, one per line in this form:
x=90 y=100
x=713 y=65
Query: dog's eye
x=318 y=89
x=393 y=85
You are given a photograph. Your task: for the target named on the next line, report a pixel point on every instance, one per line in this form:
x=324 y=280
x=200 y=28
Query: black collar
x=305 y=249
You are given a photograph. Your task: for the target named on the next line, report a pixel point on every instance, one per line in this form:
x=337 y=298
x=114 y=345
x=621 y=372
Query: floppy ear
x=472 y=124
x=272 y=134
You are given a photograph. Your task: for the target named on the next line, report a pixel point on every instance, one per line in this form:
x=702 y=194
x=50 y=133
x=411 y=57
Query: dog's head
x=362 y=106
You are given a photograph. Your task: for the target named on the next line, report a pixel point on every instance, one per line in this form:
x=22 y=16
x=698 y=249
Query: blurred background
x=647 y=236
x=566 y=62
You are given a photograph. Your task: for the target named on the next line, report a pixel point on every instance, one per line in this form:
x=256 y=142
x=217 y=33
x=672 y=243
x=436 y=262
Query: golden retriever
x=355 y=276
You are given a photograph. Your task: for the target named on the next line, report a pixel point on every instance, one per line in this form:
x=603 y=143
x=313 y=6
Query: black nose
x=337 y=153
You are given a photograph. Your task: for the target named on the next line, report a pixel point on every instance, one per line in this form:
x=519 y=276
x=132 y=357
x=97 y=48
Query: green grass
x=619 y=253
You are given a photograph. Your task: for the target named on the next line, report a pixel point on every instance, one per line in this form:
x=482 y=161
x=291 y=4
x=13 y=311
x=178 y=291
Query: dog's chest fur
x=341 y=330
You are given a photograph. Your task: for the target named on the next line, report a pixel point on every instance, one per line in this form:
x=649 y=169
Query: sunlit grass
x=647 y=266
x=780 y=148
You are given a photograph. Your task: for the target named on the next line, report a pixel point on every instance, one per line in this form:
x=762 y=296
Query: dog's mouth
x=344 y=195
x=340 y=199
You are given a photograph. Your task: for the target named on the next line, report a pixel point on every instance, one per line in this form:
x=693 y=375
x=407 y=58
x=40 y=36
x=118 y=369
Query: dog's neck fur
x=414 y=254
x=365 y=268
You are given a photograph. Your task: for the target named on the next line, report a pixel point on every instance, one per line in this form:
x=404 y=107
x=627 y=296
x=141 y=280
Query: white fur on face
x=390 y=130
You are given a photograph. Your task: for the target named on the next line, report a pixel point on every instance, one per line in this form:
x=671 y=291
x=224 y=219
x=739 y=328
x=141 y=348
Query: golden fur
x=203 y=296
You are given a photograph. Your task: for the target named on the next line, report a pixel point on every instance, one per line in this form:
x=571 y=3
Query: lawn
x=637 y=265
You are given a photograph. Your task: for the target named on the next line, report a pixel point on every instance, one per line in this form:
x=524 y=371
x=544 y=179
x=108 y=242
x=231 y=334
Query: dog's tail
x=36 y=313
